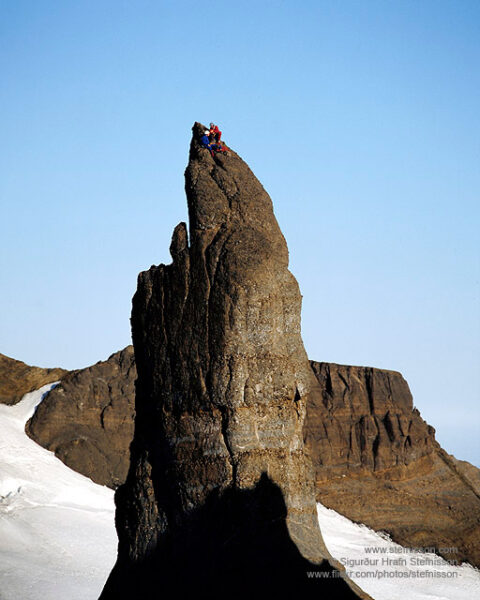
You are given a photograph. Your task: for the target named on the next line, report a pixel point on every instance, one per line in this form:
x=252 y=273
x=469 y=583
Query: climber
x=212 y=148
x=215 y=133
x=205 y=140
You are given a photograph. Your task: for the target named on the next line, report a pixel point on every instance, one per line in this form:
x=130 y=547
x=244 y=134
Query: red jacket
x=216 y=133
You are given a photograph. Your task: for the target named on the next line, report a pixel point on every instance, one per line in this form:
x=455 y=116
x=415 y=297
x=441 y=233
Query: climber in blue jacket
x=206 y=143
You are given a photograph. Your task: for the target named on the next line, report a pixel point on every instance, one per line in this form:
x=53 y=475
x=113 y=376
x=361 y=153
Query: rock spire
x=220 y=489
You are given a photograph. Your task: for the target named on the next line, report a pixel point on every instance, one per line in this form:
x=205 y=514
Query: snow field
x=57 y=533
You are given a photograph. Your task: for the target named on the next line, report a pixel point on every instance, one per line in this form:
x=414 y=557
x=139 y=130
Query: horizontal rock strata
x=364 y=421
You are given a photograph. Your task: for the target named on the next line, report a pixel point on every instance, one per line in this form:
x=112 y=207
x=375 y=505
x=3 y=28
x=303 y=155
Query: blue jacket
x=205 y=141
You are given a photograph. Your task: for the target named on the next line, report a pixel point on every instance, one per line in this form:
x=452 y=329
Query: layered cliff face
x=87 y=420
x=364 y=421
x=18 y=379
x=377 y=462
x=219 y=488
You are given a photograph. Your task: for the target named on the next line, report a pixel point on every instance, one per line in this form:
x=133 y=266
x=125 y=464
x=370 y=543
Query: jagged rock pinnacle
x=219 y=479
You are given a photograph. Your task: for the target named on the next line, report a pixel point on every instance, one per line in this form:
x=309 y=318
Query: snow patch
x=57 y=532
x=385 y=570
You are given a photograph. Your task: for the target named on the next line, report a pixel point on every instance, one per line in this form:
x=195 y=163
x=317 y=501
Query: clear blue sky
x=361 y=119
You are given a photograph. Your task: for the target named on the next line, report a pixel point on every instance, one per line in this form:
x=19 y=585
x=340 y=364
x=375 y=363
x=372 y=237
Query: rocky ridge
x=18 y=379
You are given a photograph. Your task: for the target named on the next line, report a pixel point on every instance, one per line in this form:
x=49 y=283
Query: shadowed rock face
x=87 y=420
x=223 y=383
x=18 y=379
x=235 y=545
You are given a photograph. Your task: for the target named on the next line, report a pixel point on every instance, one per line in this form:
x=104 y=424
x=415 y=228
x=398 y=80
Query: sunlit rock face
x=377 y=461
x=18 y=379
x=87 y=420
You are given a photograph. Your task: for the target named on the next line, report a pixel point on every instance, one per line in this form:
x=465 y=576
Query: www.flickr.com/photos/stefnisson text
x=392 y=562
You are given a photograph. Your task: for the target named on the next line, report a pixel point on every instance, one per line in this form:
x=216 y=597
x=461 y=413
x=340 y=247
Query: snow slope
x=386 y=570
x=57 y=533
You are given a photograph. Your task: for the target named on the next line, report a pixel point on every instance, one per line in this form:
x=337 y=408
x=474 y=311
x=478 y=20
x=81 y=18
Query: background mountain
x=87 y=420
x=377 y=462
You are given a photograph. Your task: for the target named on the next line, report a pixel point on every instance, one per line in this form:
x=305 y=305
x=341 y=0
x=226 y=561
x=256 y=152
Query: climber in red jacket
x=215 y=133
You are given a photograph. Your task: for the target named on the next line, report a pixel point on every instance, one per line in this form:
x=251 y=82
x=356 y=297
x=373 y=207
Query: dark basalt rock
x=219 y=486
x=87 y=420
x=235 y=545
